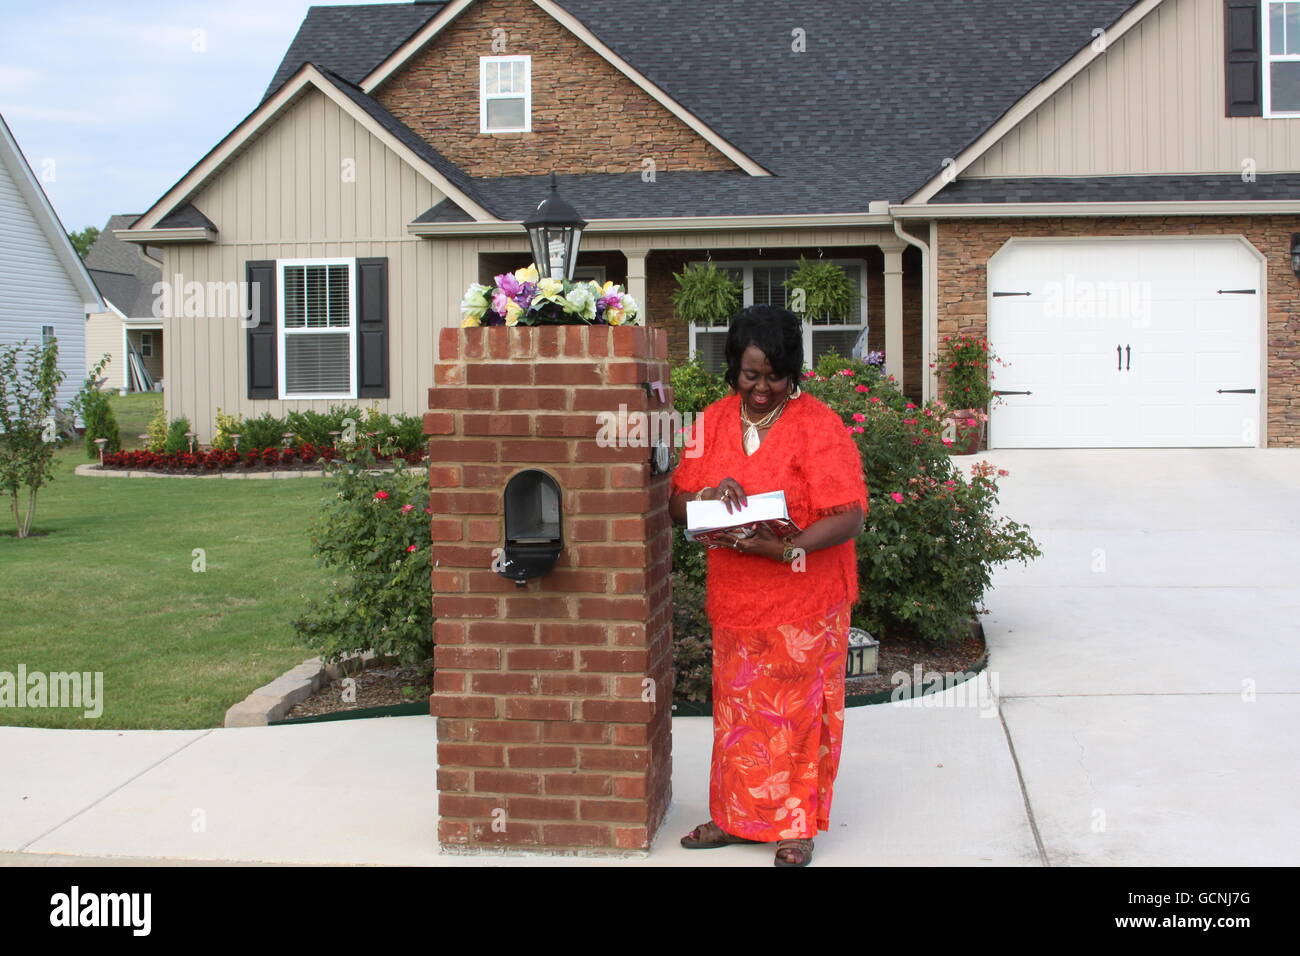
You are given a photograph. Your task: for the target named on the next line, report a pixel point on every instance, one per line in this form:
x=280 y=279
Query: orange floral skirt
x=778 y=724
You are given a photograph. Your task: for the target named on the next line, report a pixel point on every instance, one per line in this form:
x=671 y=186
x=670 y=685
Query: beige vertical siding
x=104 y=336
x=285 y=197
x=1153 y=103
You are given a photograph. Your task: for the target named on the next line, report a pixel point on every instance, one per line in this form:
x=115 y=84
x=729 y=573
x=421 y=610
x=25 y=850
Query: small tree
x=28 y=433
x=92 y=406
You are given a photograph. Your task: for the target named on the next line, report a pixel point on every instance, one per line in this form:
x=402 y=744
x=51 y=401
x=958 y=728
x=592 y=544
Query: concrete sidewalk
x=1146 y=680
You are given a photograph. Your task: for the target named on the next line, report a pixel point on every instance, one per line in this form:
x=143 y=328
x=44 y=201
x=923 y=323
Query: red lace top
x=809 y=454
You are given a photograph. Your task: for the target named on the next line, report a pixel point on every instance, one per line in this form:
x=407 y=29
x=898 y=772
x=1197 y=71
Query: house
x=127 y=330
x=1109 y=189
x=45 y=291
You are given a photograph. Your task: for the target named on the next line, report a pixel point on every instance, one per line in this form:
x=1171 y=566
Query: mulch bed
x=382 y=686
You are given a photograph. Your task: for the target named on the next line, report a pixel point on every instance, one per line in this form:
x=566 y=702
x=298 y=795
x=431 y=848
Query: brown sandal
x=716 y=836
x=801 y=849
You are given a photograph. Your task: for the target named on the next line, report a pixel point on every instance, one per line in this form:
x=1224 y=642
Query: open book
x=706 y=521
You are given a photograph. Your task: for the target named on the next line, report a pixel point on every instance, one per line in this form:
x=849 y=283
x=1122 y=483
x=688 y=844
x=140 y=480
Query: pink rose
x=862 y=388
x=859 y=417
x=897 y=497
x=875 y=401
x=414 y=547
x=407 y=509
x=381 y=496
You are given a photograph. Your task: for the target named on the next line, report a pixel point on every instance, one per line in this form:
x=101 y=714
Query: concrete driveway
x=1140 y=709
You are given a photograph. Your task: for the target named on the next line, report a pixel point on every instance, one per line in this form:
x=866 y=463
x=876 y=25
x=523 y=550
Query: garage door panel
x=1160 y=300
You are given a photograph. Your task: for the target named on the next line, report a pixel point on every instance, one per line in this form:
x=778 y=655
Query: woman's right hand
x=729 y=492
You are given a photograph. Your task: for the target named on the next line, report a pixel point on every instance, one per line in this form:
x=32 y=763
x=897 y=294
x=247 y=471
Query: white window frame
x=594 y=274
x=484 y=96
x=1268 y=58
x=748 y=268
x=282 y=331
x=51 y=337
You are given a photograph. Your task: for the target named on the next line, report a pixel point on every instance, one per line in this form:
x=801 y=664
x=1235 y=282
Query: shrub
x=157 y=431
x=227 y=425
x=967 y=381
x=315 y=427
x=266 y=431
x=375 y=535
x=695 y=388
x=100 y=421
x=177 y=438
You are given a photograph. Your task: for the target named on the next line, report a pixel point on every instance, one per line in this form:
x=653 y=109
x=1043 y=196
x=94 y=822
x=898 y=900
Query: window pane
x=516 y=78
x=711 y=350
x=492 y=77
x=505 y=114
x=841 y=340
x=1293 y=28
x=337 y=297
x=768 y=289
x=294 y=307
x=316 y=297
x=1276 y=28
x=1286 y=87
x=317 y=364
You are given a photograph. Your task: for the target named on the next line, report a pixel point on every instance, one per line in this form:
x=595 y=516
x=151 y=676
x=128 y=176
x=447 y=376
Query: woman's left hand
x=764 y=544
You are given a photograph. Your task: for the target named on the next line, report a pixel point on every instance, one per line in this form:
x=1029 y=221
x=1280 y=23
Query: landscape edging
x=272 y=701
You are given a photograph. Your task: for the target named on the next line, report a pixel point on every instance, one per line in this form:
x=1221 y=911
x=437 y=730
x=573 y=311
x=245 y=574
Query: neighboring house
x=127 y=331
x=1110 y=189
x=45 y=291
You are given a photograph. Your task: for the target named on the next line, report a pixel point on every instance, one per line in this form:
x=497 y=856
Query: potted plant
x=706 y=295
x=967 y=390
x=522 y=298
x=820 y=291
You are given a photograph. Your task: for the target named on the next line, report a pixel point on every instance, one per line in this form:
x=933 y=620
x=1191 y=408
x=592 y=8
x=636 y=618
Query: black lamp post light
x=555 y=233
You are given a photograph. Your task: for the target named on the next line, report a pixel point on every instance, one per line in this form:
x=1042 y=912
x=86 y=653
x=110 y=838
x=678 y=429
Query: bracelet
x=787 y=554
x=696 y=496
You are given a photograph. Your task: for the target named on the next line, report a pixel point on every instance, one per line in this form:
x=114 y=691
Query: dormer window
x=505 y=94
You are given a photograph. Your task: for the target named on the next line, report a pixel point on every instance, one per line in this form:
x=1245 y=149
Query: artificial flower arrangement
x=522 y=298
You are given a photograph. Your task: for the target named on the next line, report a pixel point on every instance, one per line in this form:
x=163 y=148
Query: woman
x=779 y=610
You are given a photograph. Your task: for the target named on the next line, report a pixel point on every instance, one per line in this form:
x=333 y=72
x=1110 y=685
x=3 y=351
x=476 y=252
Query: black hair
x=775 y=331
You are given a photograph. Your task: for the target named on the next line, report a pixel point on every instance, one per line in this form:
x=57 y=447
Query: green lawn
x=108 y=585
x=133 y=413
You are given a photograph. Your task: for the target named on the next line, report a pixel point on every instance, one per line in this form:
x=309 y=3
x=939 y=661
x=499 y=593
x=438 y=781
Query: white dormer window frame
x=1278 y=49
x=517 y=74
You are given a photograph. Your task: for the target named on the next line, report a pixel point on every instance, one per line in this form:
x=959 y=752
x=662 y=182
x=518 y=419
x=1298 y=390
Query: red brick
x=576 y=373
x=458 y=805
x=576 y=581
x=628 y=812
x=567 y=426
x=489 y=476
x=502 y=632
x=500 y=684
x=505 y=731
x=470 y=755
x=631 y=735
x=485 y=530
x=539 y=659
x=580 y=476
x=533 y=808
x=473 y=342
x=578 y=685
x=631 y=582
x=630 y=342
x=448 y=581
x=520 y=756
x=612 y=556
x=617 y=711
x=622 y=662
x=548 y=341
x=526 y=709
x=613 y=502
x=449 y=682
x=464 y=606
x=607 y=399
x=514 y=834
x=568 y=633
x=537 y=607
x=534 y=451
x=440 y=423
x=448 y=705
x=632 y=788
x=499 y=374
x=447 y=397
x=497 y=424
x=491 y=582
x=467 y=658
x=449 y=375
x=576 y=732
x=445 y=529
x=458 y=450
x=453 y=832
x=590 y=529
x=448 y=344
x=532 y=399
x=598 y=758
x=598 y=341
x=623 y=608
x=444 y=477
x=464 y=503
x=574 y=342
x=624 y=373
x=448 y=632
x=632 y=838
x=628 y=529
x=507 y=781
x=591 y=451
x=629 y=476
x=576 y=835
x=580 y=784
x=498 y=346
x=454 y=780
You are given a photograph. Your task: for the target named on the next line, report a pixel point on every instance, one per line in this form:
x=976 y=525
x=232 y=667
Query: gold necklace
x=751 y=438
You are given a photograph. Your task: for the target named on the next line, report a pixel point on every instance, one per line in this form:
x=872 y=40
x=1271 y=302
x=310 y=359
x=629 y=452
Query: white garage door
x=1125 y=343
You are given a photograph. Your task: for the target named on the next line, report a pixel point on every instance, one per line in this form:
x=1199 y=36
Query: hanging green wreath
x=706 y=295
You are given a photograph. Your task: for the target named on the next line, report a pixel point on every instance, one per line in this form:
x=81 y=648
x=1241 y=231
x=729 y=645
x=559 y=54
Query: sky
x=113 y=101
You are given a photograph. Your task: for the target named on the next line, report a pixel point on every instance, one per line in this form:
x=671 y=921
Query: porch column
x=636 y=281
x=894 y=309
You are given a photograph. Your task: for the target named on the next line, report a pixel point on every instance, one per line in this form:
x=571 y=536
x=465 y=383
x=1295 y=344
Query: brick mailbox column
x=553 y=700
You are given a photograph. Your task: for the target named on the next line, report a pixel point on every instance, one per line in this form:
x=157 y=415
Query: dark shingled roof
x=352 y=40
x=886 y=91
x=186 y=217
x=121 y=273
x=1218 y=187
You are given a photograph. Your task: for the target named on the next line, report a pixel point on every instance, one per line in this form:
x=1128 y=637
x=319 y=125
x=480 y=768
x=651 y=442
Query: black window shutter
x=263 y=361
x=1243 y=37
x=372 y=328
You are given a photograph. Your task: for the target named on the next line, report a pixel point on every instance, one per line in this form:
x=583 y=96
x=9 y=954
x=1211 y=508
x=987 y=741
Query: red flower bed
x=304 y=457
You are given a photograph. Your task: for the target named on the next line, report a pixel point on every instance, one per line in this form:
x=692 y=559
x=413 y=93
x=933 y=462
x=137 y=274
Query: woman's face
x=760 y=388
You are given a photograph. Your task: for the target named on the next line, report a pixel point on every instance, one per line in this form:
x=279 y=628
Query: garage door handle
x=1128 y=352
x=1237 y=291
x=996 y=392
x=1119 y=358
x=1236 y=391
